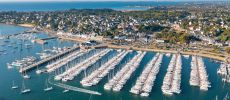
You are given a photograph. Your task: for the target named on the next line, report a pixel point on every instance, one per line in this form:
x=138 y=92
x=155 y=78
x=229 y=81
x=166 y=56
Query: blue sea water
x=51 y=6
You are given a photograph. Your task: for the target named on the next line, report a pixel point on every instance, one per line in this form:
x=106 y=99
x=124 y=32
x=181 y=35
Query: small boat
x=38 y=71
x=6 y=40
x=66 y=90
x=14 y=86
x=167 y=93
x=145 y=94
x=168 y=54
x=9 y=66
x=24 y=90
x=47 y=87
x=186 y=56
x=9 y=45
x=28 y=45
x=33 y=41
x=26 y=76
x=119 y=50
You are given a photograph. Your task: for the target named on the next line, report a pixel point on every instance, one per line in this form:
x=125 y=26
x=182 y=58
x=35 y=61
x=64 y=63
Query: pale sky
x=65 y=0
x=98 y=0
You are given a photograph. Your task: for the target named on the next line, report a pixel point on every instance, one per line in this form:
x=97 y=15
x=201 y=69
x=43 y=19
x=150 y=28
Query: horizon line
x=23 y=1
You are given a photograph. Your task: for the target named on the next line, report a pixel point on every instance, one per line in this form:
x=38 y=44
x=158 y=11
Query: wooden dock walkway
x=47 y=59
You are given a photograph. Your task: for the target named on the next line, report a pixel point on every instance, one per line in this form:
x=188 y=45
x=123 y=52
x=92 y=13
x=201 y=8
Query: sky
x=97 y=0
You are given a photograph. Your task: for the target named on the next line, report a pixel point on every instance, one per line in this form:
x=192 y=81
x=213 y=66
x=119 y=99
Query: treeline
x=176 y=37
x=150 y=28
x=170 y=15
x=224 y=35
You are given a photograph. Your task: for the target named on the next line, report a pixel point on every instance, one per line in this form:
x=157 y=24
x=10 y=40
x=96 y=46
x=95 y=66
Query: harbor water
x=53 y=6
x=37 y=82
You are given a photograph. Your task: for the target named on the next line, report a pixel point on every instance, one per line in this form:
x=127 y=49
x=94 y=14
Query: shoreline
x=220 y=57
x=21 y=25
x=26 y=25
x=207 y=55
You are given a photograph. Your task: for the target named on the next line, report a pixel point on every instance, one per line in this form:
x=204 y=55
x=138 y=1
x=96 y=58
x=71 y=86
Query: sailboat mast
x=23 y=85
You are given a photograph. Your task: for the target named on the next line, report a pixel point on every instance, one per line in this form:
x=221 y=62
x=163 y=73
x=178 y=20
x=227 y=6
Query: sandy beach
x=220 y=57
x=26 y=25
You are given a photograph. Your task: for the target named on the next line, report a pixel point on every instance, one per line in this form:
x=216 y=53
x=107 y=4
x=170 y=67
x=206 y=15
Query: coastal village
x=195 y=29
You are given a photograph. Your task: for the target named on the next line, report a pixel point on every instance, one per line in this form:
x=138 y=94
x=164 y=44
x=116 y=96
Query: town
x=187 y=26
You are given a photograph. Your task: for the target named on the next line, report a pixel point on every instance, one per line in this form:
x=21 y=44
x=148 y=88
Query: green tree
x=227 y=50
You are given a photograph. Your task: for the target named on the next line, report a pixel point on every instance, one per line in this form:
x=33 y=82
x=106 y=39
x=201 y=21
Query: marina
x=74 y=71
x=97 y=75
x=118 y=81
x=224 y=71
x=146 y=80
x=63 y=61
x=172 y=79
x=199 y=76
x=21 y=63
x=23 y=69
x=119 y=76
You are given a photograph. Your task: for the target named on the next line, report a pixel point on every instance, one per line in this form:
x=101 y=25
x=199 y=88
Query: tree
x=150 y=28
x=227 y=50
x=225 y=36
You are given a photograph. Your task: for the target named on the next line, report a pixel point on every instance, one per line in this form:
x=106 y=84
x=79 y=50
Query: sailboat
x=38 y=71
x=216 y=97
x=226 y=97
x=25 y=76
x=14 y=86
x=24 y=90
x=66 y=90
x=1 y=37
x=47 y=88
x=9 y=66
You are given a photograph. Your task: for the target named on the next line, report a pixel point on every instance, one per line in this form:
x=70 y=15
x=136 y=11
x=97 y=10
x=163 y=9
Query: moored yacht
x=24 y=90
x=14 y=86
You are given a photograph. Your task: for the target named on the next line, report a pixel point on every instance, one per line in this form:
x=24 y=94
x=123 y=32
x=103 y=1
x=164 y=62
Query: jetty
x=172 y=79
x=97 y=75
x=119 y=80
x=199 y=76
x=76 y=88
x=72 y=88
x=34 y=65
x=146 y=80
x=43 y=40
x=65 y=60
x=78 y=68
x=224 y=71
